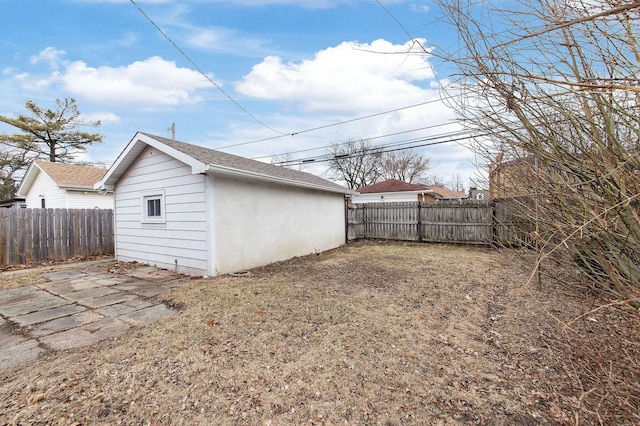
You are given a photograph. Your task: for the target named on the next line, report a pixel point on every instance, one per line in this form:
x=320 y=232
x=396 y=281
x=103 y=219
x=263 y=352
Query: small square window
x=153 y=208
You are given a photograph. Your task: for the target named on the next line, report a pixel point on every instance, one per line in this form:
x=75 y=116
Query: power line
x=459 y=135
x=324 y=160
x=339 y=123
x=192 y=62
x=283 y=134
x=454 y=136
x=433 y=126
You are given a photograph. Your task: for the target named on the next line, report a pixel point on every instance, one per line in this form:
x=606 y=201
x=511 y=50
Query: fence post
x=494 y=224
x=364 y=221
x=420 y=231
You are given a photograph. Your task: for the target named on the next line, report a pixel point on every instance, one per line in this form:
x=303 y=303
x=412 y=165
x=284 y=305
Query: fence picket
x=36 y=235
x=467 y=222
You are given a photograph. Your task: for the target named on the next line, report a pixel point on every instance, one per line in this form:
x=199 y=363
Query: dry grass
x=371 y=333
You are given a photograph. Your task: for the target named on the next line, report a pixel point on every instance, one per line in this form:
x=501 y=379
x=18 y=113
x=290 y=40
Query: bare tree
x=555 y=85
x=405 y=165
x=434 y=180
x=283 y=160
x=355 y=162
x=455 y=183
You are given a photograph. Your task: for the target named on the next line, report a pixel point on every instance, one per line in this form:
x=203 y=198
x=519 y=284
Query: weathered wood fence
x=37 y=235
x=466 y=222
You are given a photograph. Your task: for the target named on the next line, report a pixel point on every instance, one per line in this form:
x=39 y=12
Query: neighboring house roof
x=65 y=176
x=391 y=185
x=446 y=193
x=204 y=160
x=394 y=185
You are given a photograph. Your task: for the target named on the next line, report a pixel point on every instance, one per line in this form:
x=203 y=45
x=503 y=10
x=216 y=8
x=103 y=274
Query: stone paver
x=66 y=323
x=89 y=293
x=46 y=302
x=21 y=294
x=65 y=287
x=86 y=335
x=48 y=314
x=8 y=339
x=124 y=308
x=109 y=281
x=144 y=288
x=19 y=354
x=77 y=308
x=148 y=315
x=64 y=275
x=108 y=299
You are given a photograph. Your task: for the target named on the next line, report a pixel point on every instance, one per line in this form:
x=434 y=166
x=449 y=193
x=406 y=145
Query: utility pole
x=172 y=129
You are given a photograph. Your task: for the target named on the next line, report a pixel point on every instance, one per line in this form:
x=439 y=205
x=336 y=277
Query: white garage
x=203 y=212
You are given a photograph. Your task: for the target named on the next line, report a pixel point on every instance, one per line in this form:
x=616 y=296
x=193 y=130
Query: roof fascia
x=231 y=172
x=28 y=178
x=133 y=150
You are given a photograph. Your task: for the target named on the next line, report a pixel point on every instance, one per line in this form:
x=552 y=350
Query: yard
x=370 y=333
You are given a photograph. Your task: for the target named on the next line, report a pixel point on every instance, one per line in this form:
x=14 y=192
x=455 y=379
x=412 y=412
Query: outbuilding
x=204 y=212
x=62 y=186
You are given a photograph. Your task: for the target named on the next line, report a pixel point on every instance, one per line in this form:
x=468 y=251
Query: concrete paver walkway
x=77 y=307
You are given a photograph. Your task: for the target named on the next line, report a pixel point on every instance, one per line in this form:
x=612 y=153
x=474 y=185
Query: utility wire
x=433 y=126
x=454 y=136
x=192 y=62
x=313 y=129
x=459 y=135
x=324 y=160
x=283 y=134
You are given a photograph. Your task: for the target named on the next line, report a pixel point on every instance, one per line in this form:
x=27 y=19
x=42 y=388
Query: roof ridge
x=222 y=159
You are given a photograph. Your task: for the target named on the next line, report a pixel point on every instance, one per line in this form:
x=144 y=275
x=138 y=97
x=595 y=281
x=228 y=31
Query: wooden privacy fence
x=467 y=222
x=36 y=235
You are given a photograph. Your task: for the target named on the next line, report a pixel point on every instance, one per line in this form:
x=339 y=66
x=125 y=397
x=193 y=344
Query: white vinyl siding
x=260 y=223
x=387 y=197
x=43 y=185
x=57 y=198
x=88 y=200
x=181 y=235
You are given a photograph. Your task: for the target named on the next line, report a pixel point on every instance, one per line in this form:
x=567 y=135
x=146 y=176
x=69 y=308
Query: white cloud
x=420 y=8
x=152 y=82
x=49 y=55
x=351 y=81
x=350 y=76
x=217 y=39
x=103 y=117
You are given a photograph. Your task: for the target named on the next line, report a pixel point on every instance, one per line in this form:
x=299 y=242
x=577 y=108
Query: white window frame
x=156 y=195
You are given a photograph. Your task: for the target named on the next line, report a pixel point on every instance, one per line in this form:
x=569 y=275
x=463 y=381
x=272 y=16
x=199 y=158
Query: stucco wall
x=180 y=241
x=261 y=223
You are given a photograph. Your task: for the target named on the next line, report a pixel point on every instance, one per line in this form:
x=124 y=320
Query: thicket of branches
x=555 y=85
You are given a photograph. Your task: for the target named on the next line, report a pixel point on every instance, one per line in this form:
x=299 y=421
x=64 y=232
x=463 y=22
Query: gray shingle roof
x=222 y=159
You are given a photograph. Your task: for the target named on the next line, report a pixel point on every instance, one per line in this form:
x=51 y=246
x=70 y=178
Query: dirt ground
x=370 y=333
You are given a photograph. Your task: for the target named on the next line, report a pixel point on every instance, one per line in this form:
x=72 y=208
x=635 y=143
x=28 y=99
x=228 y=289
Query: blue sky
x=288 y=66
